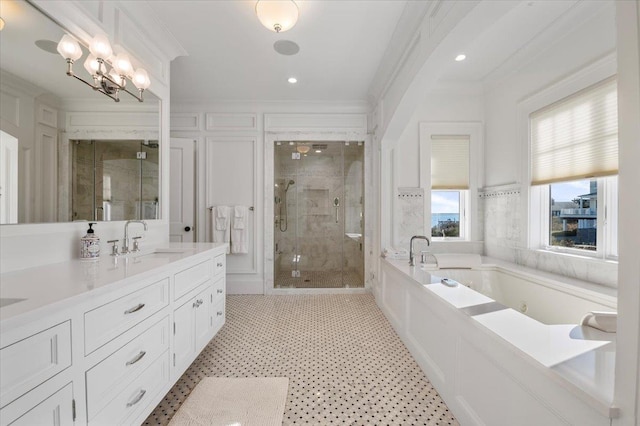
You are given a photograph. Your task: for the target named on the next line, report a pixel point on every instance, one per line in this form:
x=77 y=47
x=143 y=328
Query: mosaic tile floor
x=320 y=279
x=344 y=362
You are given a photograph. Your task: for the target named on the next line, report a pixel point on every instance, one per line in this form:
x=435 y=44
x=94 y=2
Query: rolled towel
x=459 y=261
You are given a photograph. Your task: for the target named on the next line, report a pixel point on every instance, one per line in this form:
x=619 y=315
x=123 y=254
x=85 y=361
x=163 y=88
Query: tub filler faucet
x=419 y=237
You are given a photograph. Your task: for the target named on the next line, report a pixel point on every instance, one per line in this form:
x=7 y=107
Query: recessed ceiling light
x=292 y=80
x=461 y=57
x=318 y=151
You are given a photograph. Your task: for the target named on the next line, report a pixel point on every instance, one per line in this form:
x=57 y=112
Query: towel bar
x=212 y=207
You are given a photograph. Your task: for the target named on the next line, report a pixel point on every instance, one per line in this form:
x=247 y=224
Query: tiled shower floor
x=320 y=279
x=344 y=362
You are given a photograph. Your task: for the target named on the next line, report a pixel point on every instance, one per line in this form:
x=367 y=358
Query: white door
x=182 y=190
x=8 y=178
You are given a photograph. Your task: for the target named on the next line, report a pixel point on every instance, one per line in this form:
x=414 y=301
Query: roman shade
x=576 y=137
x=450 y=162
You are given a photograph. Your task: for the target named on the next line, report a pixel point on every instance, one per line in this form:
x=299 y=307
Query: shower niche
x=318 y=214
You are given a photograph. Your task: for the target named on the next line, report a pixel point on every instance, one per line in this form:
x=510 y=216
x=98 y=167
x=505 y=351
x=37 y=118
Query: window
x=574 y=163
x=451 y=156
x=446 y=213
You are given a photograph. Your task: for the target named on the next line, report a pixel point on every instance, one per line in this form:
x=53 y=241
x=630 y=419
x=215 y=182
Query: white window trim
x=536 y=198
x=469 y=230
x=605 y=235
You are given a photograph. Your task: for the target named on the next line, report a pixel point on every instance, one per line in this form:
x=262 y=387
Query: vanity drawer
x=109 y=321
x=105 y=380
x=30 y=361
x=132 y=400
x=219 y=262
x=192 y=277
x=218 y=290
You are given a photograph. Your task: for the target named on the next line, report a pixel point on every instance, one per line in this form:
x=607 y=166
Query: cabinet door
x=183 y=334
x=203 y=316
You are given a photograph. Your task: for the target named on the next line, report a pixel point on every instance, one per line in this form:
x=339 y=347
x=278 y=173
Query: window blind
x=576 y=137
x=450 y=162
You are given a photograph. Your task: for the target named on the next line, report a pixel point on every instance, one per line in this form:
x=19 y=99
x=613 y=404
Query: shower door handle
x=336 y=204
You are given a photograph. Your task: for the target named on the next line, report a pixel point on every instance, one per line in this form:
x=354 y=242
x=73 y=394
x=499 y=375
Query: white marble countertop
x=52 y=287
x=584 y=358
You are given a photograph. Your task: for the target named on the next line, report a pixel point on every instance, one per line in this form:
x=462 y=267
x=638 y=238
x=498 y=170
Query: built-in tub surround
x=550 y=372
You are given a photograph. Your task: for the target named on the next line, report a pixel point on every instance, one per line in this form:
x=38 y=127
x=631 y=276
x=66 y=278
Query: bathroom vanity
x=101 y=342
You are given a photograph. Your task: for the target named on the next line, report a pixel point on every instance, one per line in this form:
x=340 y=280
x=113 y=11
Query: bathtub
x=505 y=347
x=543 y=299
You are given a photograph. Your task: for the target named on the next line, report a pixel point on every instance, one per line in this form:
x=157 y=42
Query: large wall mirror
x=68 y=152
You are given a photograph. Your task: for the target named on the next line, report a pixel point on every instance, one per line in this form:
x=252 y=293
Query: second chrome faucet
x=411 y=255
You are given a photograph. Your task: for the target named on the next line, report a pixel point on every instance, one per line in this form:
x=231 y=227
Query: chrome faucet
x=419 y=237
x=125 y=247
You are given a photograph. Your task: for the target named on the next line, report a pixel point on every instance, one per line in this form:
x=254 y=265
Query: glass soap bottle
x=90 y=244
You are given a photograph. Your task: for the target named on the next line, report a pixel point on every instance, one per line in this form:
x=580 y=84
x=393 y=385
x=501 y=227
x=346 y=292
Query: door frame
x=269 y=237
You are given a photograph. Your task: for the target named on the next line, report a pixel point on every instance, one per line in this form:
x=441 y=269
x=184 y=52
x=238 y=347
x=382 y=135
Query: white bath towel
x=240 y=230
x=220 y=228
x=462 y=261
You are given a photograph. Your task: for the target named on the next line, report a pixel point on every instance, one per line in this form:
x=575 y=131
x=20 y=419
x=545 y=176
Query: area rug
x=221 y=401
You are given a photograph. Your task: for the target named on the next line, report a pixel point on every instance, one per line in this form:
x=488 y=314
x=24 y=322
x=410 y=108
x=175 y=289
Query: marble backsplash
x=502 y=239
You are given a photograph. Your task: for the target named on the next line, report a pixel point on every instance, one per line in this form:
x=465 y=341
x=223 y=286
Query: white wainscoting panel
x=315 y=122
x=231 y=121
x=114 y=120
x=231 y=180
x=47 y=116
x=10 y=108
x=185 y=121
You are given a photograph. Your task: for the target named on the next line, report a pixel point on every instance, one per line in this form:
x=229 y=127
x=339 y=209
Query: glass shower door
x=318 y=220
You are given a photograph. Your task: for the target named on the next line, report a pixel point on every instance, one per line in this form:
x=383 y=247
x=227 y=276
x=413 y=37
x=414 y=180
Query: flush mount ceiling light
x=303 y=149
x=292 y=80
x=277 y=15
x=109 y=83
x=461 y=57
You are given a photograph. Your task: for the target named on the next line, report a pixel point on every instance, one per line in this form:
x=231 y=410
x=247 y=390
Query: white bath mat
x=221 y=401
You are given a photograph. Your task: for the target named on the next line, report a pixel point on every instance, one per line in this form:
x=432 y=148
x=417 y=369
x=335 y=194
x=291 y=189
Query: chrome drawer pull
x=219 y=313
x=137 y=398
x=134 y=309
x=219 y=265
x=219 y=291
x=197 y=303
x=137 y=358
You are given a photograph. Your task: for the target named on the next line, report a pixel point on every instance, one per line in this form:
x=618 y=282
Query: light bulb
x=113 y=74
x=100 y=47
x=91 y=64
x=141 y=79
x=277 y=15
x=69 y=48
x=122 y=64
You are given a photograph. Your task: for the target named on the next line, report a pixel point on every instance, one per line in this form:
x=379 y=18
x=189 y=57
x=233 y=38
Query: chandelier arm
x=138 y=96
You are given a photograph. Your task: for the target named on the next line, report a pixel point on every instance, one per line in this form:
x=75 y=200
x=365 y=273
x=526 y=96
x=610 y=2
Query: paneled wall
x=235 y=167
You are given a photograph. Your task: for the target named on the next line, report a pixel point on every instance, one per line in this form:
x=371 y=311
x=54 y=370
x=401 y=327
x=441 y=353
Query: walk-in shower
x=318 y=214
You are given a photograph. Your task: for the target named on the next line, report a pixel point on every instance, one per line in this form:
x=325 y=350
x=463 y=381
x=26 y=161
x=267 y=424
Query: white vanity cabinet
x=108 y=357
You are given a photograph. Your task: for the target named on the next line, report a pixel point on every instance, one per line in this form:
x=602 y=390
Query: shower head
x=291 y=182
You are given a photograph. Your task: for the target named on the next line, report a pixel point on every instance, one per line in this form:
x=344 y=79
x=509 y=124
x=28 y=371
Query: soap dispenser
x=90 y=244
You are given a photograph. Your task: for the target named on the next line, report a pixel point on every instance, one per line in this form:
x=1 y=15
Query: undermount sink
x=6 y=301
x=161 y=251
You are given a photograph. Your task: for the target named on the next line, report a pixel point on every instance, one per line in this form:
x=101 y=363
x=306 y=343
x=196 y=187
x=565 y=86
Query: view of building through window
x=573 y=214
x=445 y=213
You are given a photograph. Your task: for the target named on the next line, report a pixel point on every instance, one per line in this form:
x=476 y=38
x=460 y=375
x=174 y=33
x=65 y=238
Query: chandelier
x=108 y=82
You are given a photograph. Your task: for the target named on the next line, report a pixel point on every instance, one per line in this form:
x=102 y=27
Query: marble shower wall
x=305 y=216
